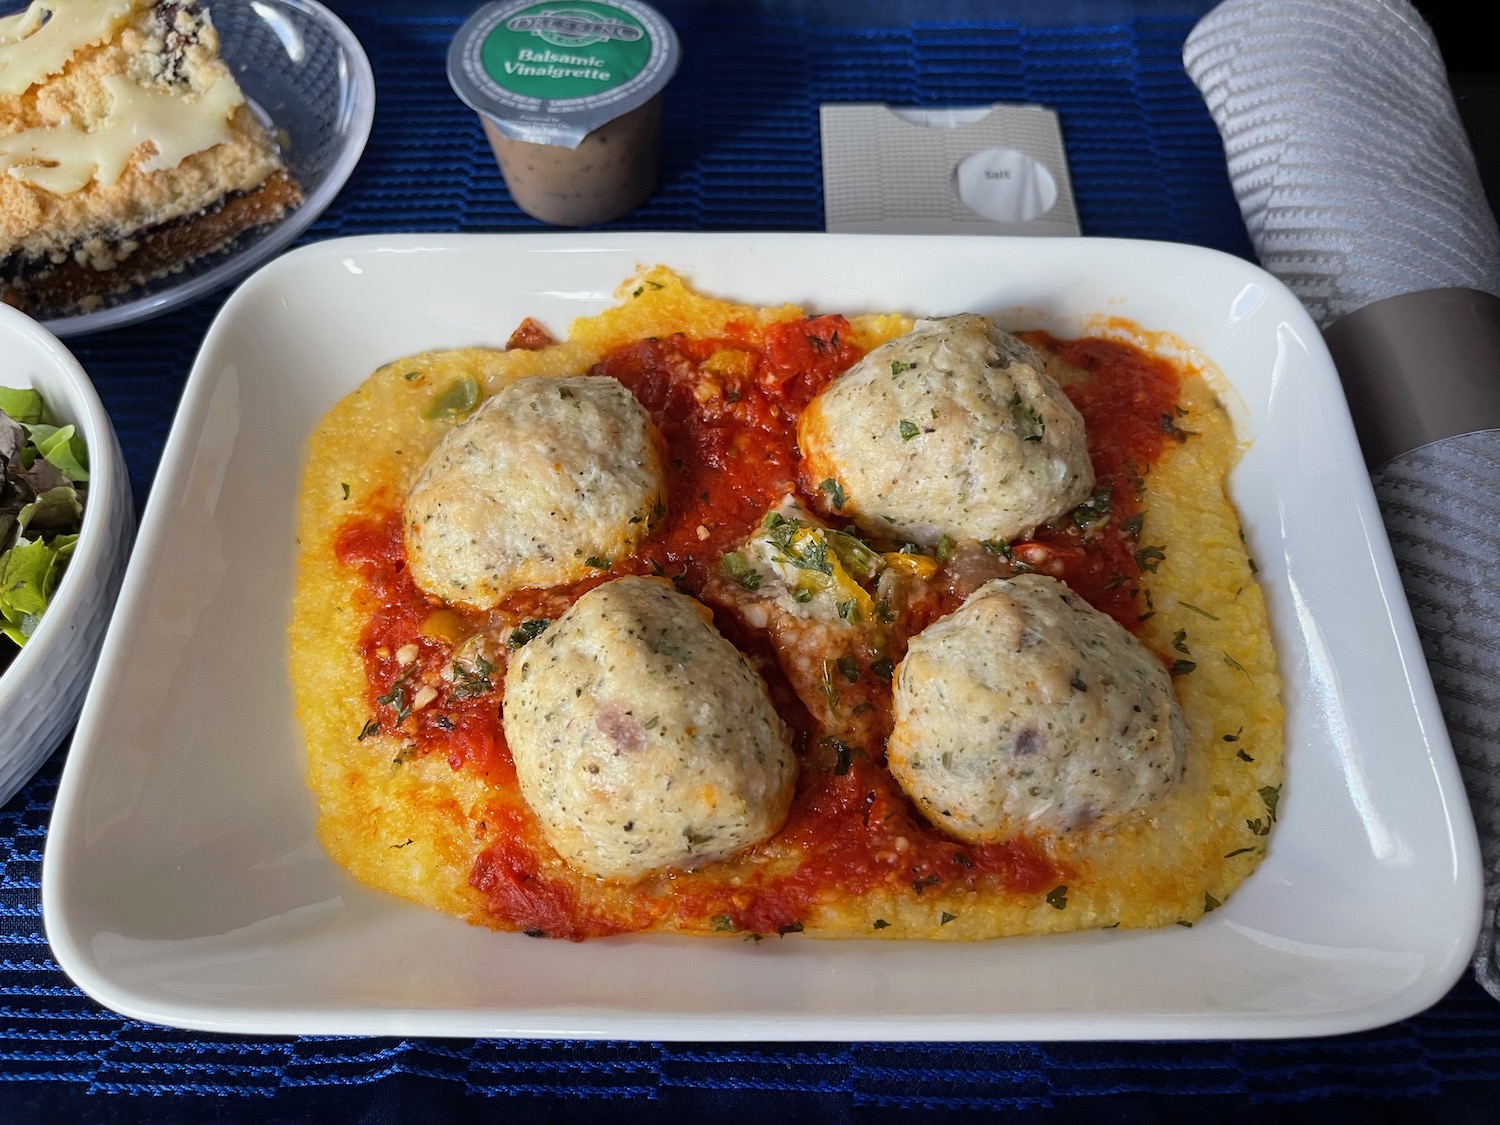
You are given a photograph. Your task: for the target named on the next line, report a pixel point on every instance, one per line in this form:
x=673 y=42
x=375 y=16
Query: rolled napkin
x=1359 y=190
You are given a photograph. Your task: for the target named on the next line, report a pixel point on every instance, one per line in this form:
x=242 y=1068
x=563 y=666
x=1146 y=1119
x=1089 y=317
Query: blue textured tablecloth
x=741 y=153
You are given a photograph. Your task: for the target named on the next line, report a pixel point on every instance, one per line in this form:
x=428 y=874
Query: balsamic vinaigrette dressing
x=732 y=457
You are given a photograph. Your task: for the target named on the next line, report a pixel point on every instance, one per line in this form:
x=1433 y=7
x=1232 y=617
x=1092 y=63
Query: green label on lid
x=565 y=50
x=550 y=73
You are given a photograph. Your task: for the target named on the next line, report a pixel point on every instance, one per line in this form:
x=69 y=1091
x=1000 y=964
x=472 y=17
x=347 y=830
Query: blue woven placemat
x=742 y=152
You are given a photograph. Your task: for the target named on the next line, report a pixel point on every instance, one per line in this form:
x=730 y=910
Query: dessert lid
x=552 y=73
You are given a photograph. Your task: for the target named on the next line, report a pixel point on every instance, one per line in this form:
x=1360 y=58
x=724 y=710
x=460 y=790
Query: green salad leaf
x=43 y=488
x=22 y=404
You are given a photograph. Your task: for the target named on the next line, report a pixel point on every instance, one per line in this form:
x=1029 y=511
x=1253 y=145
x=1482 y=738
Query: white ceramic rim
x=1459 y=866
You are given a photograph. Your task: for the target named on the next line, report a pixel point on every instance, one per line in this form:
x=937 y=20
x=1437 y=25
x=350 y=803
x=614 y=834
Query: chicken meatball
x=1027 y=710
x=643 y=740
x=549 y=480
x=953 y=429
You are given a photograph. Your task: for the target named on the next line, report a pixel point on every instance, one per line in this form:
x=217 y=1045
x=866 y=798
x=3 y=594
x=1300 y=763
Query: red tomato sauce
x=521 y=894
x=727 y=409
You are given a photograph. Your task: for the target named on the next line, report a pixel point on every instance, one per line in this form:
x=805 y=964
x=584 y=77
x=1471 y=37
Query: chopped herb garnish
x=897 y=366
x=1132 y=527
x=944 y=548
x=908 y=430
x=879 y=924
x=1233 y=663
x=791 y=927
x=1179 y=640
x=528 y=631
x=858 y=559
x=944 y=918
x=735 y=566
x=1270 y=795
x=372 y=727
x=848 y=610
x=405 y=754
x=1093 y=512
x=596 y=562
x=345 y=487
x=1057 y=897
x=830 y=689
x=849 y=668
x=835 y=492
x=1150 y=606
x=1182 y=667
x=883 y=668
x=1149 y=558
x=1235 y=737
x=1237 y=851
x=843 y=756
x=1197 y=610
x=724 y=924
x=471 y=679
x=1210 y=903
x=997 y=547
x=397 y=698
x=1170 y=427
x=798 y=543
x=962 y=860
x=1242 y=756
x=1032 y=418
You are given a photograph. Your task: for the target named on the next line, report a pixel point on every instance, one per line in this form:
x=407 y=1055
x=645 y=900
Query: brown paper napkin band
x=1418 y=368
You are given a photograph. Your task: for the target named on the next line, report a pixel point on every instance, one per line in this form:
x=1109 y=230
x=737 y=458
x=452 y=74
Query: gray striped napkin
x=1359 y=189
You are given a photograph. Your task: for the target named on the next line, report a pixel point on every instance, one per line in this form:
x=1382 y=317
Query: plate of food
x=762 y=636
x=155 y=151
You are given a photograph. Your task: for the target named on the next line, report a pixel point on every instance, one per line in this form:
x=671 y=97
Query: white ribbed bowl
x=42 y=689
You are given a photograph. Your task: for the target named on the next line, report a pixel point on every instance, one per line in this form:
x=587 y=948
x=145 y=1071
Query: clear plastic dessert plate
x=184 y=883
x=305 y=74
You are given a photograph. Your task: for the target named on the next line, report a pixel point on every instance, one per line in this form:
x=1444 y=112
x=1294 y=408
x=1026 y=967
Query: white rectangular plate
x=183 y=883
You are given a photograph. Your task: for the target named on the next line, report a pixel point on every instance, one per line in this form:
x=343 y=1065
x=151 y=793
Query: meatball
x=549 y=480
x=1029 y=710
x=643 y=740
x=953 y=429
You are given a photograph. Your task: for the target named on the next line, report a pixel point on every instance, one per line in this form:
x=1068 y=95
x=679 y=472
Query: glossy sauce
x=728 y=408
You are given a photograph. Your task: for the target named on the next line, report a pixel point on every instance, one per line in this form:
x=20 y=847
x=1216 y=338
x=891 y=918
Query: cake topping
x=63 y=159
x=39 y=41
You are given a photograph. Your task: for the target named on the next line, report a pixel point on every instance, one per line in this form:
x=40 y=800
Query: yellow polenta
x=414 y=825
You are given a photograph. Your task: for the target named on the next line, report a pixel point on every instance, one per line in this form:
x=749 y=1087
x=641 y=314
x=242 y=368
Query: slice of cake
x=126 y=149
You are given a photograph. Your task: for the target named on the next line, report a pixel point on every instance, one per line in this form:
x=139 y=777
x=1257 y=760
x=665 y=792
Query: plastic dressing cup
x=569 y=94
